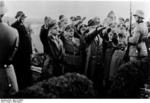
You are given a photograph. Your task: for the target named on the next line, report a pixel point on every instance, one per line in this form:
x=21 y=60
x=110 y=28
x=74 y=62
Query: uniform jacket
x=139 y=47
x=72 y=51
x=8 y=38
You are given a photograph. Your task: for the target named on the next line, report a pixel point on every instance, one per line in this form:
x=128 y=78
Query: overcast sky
x=39 y=9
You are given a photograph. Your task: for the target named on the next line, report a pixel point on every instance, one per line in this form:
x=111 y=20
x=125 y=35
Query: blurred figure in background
x=121 y=25
x=110 y=20
x=22 y=58
x=63 y=21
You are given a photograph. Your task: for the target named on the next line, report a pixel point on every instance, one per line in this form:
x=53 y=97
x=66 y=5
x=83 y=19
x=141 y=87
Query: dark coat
x=117 y=57
x=22 y=58
x=73 y=56
x=56 y=49
x=44 y=38
x=24 y=38
x=107 y=60
x=116 y=61
x=89 y=43
x=95 y=57
x=53 y=65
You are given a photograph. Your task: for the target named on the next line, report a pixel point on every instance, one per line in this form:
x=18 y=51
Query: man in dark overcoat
x=22 y=58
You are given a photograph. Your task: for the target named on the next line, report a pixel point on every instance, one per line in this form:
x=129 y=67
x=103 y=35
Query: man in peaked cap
x=138 y=49
x=9 y=42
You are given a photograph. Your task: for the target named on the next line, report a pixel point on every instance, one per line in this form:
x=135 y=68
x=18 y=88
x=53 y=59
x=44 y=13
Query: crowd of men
x=95 y=49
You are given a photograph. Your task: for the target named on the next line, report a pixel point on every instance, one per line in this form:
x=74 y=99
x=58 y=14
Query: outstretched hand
x=100 y=29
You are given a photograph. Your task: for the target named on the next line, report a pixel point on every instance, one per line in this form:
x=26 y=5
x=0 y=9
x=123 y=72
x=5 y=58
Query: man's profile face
x=136 y=18
x=21 y=18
